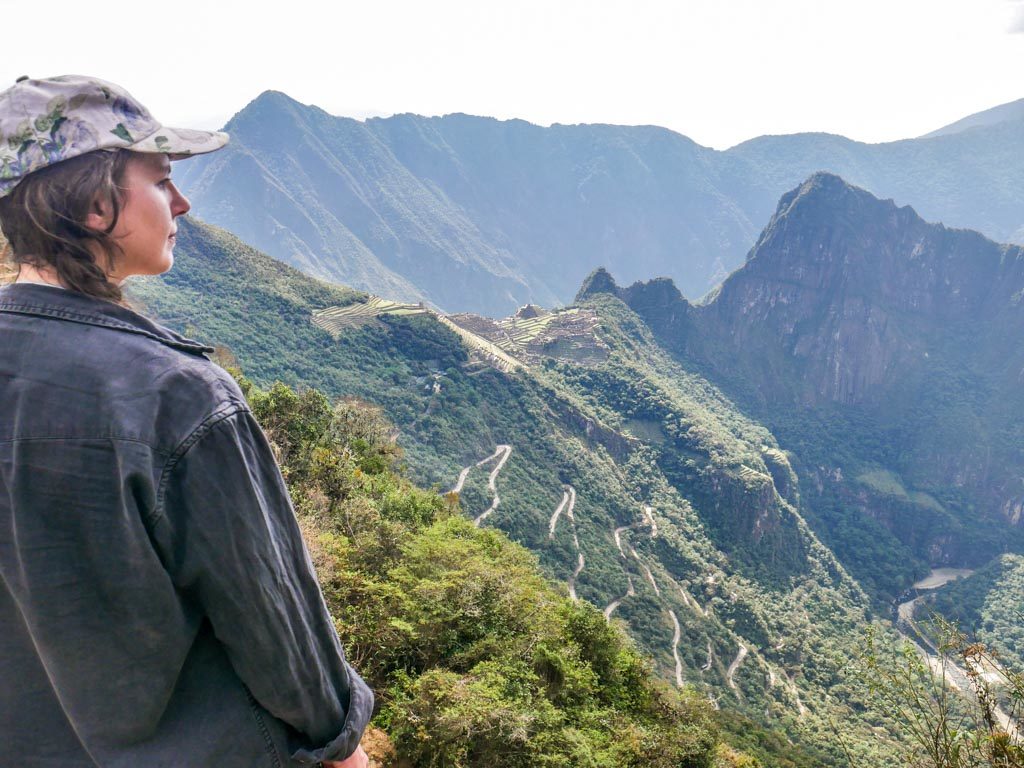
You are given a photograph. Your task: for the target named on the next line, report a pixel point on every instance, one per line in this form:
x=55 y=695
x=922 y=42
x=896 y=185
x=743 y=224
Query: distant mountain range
x=1004 y=113
x=475 y=214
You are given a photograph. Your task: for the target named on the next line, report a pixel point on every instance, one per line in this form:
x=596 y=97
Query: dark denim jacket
x=157 y=604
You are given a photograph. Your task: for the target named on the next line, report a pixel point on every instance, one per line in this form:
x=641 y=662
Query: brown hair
x=43 y=219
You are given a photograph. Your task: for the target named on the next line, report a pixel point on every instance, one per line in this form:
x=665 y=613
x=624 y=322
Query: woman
x=157 y=604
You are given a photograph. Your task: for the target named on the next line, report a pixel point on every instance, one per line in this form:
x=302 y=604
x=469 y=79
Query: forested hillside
x=637 y=484
x=475 y=214
x=475 y=658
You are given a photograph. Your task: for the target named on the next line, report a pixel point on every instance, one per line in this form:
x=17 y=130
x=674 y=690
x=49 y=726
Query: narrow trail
x=466 y=470
x=575 y=573
x=462 y=479
x=796 y=695
x=618 y=537
x=690 y=602
x=648 y=520
x=710 y=659
x=504 y=451
x=734 y=666
x=569 y=503
x=649 y=516
x=557 y=514
x=675 y=648
x=647 y=571
x=789 y=686
x=610 y=608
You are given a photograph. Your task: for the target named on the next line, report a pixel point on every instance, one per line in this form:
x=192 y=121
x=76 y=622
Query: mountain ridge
x=884 y=346
x=483 y=215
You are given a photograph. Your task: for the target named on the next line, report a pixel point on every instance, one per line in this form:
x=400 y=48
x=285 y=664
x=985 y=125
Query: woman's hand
x=357 y=759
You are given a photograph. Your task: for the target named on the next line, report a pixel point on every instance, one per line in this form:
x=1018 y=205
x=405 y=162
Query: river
x=956 y=675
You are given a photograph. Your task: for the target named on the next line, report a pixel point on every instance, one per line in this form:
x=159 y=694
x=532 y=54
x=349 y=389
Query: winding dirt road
x=675 y=647
x=734 y=666
x=569 y=512
x=710 y=659
x=504 y=451
x=610 y=608
x=650 y=576
x=557 y=514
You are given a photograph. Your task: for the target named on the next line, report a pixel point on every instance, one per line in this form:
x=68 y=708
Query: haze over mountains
x=475 y=214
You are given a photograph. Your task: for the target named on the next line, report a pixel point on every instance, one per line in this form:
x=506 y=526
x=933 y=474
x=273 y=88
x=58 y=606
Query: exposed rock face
x=855 y=292
x=857 y=329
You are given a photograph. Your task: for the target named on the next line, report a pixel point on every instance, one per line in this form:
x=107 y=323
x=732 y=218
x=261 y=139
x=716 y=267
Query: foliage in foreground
x=959 y=706
x=476 y=659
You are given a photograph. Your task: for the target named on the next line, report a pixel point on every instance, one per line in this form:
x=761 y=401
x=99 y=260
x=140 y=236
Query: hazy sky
x=718 y=71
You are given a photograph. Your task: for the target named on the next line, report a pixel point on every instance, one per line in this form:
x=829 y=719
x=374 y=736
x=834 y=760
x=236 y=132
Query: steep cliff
x=885 y=351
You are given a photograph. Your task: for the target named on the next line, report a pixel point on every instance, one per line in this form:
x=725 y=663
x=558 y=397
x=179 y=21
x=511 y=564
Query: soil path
x=610 y=608
x=647 y=571
x=675 y=647
x=504 y=451
x=710 y=659
x=557 y=514
x=569 y=513
x=734 y=666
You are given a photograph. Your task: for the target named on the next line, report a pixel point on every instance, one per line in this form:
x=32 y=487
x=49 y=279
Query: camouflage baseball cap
x=43 y=122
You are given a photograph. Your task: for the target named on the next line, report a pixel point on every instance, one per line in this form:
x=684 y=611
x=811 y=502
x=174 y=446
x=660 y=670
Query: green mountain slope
x=476 y=658
x=639 y=486
x=988 y=605
x=883 y=351
x=475 y=214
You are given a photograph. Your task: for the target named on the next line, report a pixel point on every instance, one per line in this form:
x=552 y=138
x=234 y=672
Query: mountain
x=640 y=486
x=884 y=352
x=1010 y=112
x=480 y=215
x=968 y=179
x=469 y=213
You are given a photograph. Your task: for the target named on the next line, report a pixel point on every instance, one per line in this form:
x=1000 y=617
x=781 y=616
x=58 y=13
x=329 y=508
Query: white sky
x=719 y=72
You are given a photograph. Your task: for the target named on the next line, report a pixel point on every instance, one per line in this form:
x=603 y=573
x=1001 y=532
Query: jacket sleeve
x=238 y=550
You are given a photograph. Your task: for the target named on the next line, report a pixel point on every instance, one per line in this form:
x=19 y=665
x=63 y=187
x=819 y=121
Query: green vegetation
x=727 y=556
x=477 y=660
x=880 y=351
x=989 y=606
x=956 y=706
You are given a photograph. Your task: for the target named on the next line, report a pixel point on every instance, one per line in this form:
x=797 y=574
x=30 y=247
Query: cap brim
x=181 y=142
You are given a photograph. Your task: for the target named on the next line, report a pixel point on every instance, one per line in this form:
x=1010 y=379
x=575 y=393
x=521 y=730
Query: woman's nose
x=179 y=203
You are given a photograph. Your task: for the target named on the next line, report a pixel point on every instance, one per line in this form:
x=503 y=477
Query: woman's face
x=146 y=228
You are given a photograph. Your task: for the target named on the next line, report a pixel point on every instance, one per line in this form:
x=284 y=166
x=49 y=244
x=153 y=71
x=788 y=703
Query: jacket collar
x=57 y=303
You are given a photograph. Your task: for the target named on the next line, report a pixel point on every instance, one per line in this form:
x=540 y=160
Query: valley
x=648 y=479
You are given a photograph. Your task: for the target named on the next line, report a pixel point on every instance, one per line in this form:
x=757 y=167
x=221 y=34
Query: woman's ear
x=101 y=214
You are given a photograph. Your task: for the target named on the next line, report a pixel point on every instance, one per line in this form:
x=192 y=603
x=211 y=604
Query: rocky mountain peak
x=598 y=281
